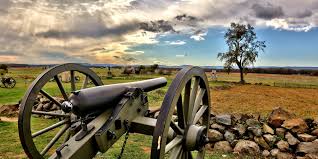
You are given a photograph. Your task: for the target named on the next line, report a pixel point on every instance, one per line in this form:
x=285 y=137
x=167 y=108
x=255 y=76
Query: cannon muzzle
x=99 y=98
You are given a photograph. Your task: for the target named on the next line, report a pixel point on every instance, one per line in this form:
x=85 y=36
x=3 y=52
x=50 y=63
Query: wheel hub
x=195 y=137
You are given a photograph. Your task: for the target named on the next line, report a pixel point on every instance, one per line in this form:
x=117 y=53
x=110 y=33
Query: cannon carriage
x=94 y=116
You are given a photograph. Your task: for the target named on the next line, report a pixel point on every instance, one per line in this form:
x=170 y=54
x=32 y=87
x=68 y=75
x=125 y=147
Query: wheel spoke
x=199 y=114
x=193 y=96
x=67 y=136
x=50 y=98
x=176 y=128
x=186 y=100
x=173 y=143
x=189 y=155
x=50 y=114
x=84 y=85
x=60 y=85
x=73 y=88
x=180 y=113
x=198 y=101
x=53 y=141
x=176 y=152
x=49 y=128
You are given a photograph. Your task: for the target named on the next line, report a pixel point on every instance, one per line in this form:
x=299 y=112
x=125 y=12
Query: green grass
x=138 y=146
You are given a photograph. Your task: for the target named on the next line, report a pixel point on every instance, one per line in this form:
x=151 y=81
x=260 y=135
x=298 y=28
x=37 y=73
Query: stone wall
x=281 y=135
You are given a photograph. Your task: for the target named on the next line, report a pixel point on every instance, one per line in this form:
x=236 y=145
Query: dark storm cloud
x=5 y=5
x=150 y=4
x=90 y=31
x=267 y=11
x=185 y=17
x=129 y=59
x=8 y=53
x=125 y=58
x=51 y=54
x=159 y=26
x=304 y=14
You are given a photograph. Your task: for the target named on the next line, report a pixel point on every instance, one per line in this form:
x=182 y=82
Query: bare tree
x=243 y=47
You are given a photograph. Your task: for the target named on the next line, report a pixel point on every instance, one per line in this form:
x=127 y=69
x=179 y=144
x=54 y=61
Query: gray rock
x=224 y=119
x=257 y=131
x=284 y=155
x=209 y=146
x=306 y=137
x=315 y=132
x=267 y=129
x=212 y=120
x=229 y=136
x=296 y=125
x=39 y=107
x=247 y=147
x=236 y=118
x=270 y=139
x=311 y=156
x=48 y=117
x=260 y=141
x=274 y=152
x=222 y=146
x=218 y=127
x=240 y=128
x=214 y=135
x=278 y=116
x=44 y=100
x=61 y=100
x=266 y=153
x=308 y=147
x=54 y=107
x=291 y=139
x=252 y=122
x=280 y=132
x=282 y=145
x=47 y=106
x=156 y=114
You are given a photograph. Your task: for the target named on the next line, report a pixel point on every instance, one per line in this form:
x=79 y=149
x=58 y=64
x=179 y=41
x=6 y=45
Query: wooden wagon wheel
x=188 y=97
x=66 y=119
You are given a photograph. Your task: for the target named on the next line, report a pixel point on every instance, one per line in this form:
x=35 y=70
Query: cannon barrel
x=99 y=98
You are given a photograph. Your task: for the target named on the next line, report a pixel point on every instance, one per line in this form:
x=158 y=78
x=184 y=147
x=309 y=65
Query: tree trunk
x=242 y=75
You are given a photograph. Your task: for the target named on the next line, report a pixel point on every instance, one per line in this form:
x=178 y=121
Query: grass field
x=226 y=98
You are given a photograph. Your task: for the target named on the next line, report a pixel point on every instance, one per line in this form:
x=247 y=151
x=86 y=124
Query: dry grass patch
x=262 y=99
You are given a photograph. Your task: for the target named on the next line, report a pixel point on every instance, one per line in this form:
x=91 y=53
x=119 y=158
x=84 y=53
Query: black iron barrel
x=99 y=98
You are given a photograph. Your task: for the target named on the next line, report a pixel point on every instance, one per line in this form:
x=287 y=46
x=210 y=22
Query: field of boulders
x=280 y=135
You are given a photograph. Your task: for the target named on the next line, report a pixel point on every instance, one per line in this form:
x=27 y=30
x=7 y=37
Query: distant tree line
x=284 y=71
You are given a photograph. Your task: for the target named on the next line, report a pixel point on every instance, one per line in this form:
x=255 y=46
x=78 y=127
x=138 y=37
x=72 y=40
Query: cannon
x=94 y=116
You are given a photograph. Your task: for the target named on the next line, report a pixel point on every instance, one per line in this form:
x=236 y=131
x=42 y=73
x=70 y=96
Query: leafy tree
x=243 y=47
x=139 y=69
x=154 y=67
x=3 y=69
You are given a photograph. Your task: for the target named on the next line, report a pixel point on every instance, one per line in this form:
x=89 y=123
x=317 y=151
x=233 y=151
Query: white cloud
x=286 y=25
x=181 y=56
x=101 y=30
x=199 y=36
x=178 y=42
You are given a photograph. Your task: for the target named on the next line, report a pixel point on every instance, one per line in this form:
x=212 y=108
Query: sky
x=166 y=32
